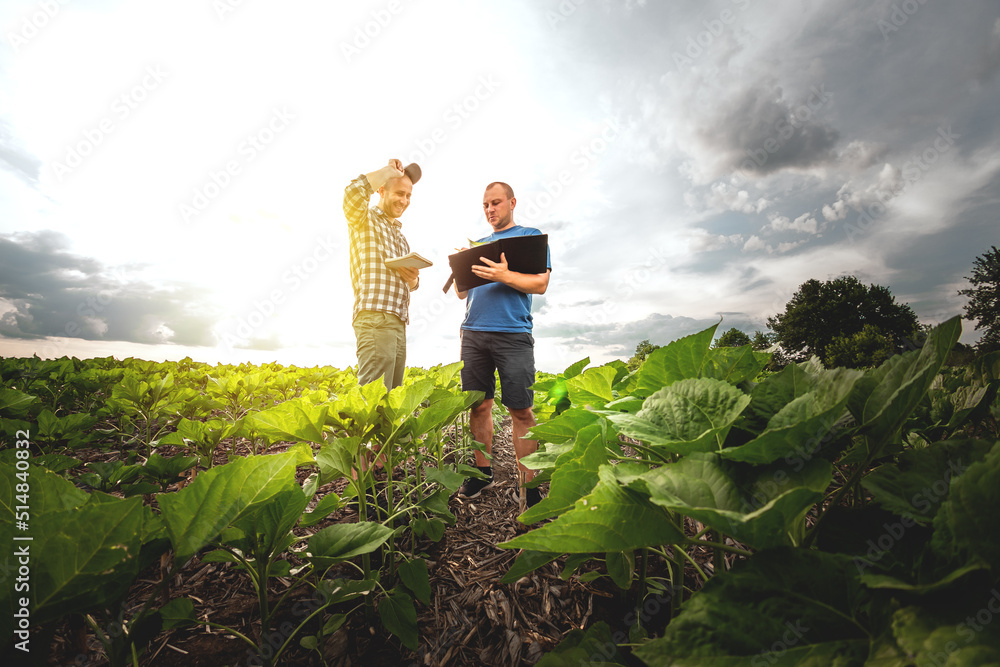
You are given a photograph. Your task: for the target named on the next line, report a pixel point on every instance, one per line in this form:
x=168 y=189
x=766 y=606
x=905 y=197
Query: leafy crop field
x=700 y=511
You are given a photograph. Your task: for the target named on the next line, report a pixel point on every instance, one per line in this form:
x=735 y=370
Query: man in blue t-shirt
x=496 y=336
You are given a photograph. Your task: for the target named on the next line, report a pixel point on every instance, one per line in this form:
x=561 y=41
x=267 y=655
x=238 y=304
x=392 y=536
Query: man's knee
x=484 y=408
x=523 y=415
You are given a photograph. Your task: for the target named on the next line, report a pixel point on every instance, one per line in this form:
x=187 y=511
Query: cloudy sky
x=171 y=174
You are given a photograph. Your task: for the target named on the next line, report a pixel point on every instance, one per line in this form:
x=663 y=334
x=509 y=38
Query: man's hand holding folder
x=492 y=271
x=494 y=261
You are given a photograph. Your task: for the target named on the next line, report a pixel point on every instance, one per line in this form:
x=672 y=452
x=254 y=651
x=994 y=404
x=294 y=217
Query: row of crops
x=87 y=531
x=852 y=515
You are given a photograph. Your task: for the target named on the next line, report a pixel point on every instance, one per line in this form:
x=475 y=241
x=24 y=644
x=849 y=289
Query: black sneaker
x=473 y=486
x=375 y=508
x=532 y=497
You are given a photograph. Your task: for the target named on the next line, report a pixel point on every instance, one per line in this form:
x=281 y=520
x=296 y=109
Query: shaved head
x=509 y=191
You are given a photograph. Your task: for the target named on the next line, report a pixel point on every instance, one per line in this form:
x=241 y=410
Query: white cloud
x=836 y=211
x=805 y=223
x=700 y=240
x=860 y=154
x=725 y=197
x=787 y=246
x=755 y=243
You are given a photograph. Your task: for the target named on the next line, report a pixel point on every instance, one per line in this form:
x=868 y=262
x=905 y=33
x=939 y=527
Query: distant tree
x=766 y=342
x=732 y=338
x=818 y=313
x=642 y=351
x=961 y=355
x=865 y=349
x=984 y=299
x=761 y=340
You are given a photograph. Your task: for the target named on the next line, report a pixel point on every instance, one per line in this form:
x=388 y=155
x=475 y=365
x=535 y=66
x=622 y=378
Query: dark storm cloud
x=841 y=84
x=897 y=77
x=763 y=132
x=946 y=257
x=56 y=293
x=990 y=61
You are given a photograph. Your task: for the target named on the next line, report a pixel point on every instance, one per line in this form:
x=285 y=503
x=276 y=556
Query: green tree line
x=844 y=322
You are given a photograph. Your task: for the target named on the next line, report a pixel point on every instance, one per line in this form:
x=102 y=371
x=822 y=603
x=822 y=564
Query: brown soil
x=473 y=619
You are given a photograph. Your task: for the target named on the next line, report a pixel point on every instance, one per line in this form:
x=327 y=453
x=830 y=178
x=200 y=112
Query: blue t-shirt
x=497 y=307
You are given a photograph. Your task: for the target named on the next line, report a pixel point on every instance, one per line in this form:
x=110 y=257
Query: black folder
x=524 y=254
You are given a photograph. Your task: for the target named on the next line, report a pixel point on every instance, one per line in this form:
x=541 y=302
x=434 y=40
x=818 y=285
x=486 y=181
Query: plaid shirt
x=374 y=238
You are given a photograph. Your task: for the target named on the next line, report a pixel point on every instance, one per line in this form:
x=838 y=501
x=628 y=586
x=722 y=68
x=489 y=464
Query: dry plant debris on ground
x=473 y=619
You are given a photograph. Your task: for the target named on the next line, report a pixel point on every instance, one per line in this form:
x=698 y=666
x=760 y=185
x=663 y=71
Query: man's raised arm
x=378 y=178
x=357 y=195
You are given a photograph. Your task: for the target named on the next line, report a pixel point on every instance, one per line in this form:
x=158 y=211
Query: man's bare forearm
x=529 y=283
x=379 y=177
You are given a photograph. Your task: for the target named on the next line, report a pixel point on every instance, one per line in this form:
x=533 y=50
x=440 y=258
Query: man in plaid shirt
x=381 y=295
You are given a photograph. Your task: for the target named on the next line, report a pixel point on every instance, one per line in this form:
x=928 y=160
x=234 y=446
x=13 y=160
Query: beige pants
x=381 y=348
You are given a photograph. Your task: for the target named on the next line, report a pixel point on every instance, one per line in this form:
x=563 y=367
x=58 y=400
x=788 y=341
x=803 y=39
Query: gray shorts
x=511 y=354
